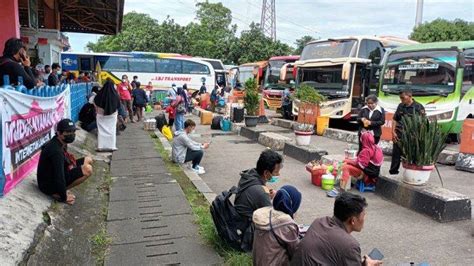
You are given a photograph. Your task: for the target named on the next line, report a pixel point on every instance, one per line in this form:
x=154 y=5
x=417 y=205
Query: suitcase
x=216 y=122
x=206 y=117
x=225 y=124
x=237 y=115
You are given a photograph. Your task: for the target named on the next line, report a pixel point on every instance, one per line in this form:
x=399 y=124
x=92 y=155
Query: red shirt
x=123 y=91
x=171 y=111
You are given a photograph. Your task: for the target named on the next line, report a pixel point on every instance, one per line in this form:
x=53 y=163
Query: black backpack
x=216 y=122
x=160 y=121
x=234 y=230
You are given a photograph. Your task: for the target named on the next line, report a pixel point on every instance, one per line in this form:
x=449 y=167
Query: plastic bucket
x=322 y=122
x=316 y=176
x=328 y=182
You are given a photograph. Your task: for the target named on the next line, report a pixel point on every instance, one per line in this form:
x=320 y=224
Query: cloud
x=318 y=18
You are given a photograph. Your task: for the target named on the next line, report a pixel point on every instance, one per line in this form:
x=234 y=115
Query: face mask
x=193 y=131
x=273 y=179
x=124 y=80
x=69 y=138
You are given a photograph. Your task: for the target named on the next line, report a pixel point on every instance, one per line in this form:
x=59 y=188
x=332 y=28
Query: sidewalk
x=149 y=219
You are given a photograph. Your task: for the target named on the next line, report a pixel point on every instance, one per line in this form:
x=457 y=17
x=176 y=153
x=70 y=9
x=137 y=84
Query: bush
x=251 y=99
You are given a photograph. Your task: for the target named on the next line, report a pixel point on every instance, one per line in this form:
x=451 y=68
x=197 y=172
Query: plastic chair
x=362 y=187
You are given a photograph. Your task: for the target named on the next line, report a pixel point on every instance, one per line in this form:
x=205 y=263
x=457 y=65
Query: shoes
x=394 y=173
x=199 y=170
x=333 y=193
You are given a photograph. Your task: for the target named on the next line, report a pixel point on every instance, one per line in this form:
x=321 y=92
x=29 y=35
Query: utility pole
x=419 y=13
x=268 y=19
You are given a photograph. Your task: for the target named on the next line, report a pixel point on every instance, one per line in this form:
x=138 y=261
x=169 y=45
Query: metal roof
x=435 y=45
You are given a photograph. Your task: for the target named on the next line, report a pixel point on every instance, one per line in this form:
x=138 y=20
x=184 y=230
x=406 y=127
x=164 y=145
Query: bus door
x=86 y=63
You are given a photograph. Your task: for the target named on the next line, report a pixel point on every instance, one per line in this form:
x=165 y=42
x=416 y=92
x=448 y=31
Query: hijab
x=107 y=98
x=370 y=153
x=287 y=200
x=184 y=97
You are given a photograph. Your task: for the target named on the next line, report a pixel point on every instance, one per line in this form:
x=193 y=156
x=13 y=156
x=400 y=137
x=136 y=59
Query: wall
x=9 y=21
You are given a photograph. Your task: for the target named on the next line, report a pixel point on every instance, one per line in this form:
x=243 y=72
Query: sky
x=318 y=18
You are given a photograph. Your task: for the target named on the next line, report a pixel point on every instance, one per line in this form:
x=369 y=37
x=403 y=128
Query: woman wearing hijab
x=276 y=234
x=107 y=101
x=366 y=165
x=181 y=105
x=371 y=117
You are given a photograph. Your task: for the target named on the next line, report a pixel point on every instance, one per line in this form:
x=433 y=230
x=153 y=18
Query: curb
x=197 y=181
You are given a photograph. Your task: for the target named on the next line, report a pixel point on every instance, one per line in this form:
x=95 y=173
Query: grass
x=200 y=208
x=100 y=243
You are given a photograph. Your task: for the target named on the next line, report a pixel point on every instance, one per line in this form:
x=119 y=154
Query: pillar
x=10 y=21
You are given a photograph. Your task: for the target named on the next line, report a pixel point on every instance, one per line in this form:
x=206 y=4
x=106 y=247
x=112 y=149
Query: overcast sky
x=318 y=18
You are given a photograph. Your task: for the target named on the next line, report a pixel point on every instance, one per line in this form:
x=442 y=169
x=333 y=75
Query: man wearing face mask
x=58 y=170
x=53 y=79
x=186 y=150
x=16 y=63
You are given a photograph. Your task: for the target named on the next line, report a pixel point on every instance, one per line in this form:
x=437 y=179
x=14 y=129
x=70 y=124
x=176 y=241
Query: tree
x=301 y=42
x=443 y=30
x=253 y=46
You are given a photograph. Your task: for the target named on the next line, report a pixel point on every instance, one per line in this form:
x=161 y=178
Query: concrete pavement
x=401 y=234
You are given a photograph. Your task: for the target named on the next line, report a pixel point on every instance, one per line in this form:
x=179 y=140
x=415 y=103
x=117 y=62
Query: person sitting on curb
x=328 y=240
x=185 y=149
x=366 y=166
x=253 y=193
x=58 y=170
x=276 y=234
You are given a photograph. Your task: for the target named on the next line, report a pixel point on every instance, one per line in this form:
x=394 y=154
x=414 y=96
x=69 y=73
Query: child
x=171 y=115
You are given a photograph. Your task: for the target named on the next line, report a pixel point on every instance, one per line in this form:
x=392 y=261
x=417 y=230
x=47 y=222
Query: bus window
x=194 y=68
x=169 y=66
x=85 y=64
x=468 y=79
x=370 y=49
x=143 y=65
x=113 y=63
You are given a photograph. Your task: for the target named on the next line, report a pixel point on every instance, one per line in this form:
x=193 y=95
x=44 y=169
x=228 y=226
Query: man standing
x=47 y=71
x=408 y=106
x=15 y=63
x=328 y=240
x=203 y=89
x=185 y=149
x=135 y=83
x=172 y=92
x=58 y=170
x=53 y=79
x=124 y=89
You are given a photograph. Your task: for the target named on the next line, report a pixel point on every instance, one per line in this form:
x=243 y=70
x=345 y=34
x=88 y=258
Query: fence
x=77 y=98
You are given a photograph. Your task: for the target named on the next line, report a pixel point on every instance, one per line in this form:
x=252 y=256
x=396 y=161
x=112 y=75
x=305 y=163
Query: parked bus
x=345 y=70
x=160 y=68
x=273 y=85
x=441 y=76
x=219 y=68
x=255 y=70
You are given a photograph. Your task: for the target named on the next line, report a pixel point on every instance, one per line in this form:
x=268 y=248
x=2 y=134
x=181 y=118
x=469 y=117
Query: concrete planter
x=416 y=175
x=251 y=121
x=303 y=138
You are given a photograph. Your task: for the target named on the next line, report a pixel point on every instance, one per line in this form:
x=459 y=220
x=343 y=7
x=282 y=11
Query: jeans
x=194 y=156
x=91 y=126
x=179 y=122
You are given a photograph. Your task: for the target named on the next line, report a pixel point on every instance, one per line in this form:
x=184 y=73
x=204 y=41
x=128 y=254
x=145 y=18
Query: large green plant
x=308 y=97
x=421 y=141
x=251 y=99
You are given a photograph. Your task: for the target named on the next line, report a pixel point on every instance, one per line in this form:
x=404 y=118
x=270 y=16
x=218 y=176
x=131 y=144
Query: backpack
x=216 y=122
x=372 y=171
x=160 y=121
x=179 y=105
x=231 y=227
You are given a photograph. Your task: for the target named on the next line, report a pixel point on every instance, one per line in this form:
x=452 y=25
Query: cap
x=65 y=125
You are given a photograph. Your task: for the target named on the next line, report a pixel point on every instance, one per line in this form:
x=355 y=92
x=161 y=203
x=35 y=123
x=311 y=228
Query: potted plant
x=308 y=99
x=251 y=102
x=421 y=142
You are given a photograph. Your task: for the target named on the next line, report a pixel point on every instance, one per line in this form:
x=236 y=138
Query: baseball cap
x=65 y=124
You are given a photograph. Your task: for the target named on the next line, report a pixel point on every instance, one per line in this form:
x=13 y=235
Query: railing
x=78 y=97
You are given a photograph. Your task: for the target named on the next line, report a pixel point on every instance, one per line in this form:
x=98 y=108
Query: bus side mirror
x=461 y=60
x=346 y=69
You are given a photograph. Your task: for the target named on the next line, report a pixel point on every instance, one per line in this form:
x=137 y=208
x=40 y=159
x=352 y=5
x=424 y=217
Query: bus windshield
x=329 y=49
x=424 y=72
x=327 y=80
x=272 y=76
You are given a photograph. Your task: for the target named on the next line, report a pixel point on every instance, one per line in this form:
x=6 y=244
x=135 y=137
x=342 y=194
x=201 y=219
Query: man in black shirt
x=53 y=79
x=58 y=170
x=16 y=63
x=408 y=106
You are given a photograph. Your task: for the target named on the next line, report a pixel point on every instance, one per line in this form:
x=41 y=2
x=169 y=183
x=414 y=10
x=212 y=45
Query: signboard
x=307 y=114
x=27 y=123
x=387 y=127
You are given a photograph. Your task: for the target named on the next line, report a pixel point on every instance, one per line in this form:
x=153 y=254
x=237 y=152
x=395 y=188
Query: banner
x=27 y=122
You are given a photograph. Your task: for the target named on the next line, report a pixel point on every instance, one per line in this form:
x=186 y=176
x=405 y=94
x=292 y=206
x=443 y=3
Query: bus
x=161 y=69
x=441 y=76
x=273 y=85
x=344 y=70
x=255 y=70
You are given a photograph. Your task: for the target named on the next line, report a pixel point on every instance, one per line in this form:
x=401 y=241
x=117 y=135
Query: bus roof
x=435 y=45
x=385 y=40
x=150 y=54
x=285 y=57
x=258 y=64
x=216 y=63
x=93 y=54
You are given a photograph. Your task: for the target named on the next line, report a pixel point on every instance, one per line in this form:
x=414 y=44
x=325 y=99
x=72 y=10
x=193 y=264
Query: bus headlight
x=442 y=116
x=334 y=105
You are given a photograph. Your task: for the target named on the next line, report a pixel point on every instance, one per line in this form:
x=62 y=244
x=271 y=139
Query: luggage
x=166 y=131
x=206 y=117
x=238 y=115
x=216 y=122
x=225 y=124
x=160 y=121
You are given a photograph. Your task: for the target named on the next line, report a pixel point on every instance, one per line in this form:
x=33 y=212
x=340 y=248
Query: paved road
x=149 y=218
x=401 y=234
